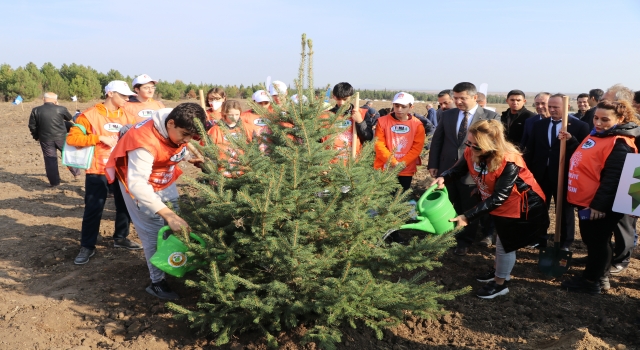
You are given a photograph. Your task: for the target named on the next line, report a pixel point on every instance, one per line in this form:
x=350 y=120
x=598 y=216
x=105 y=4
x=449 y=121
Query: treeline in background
x=87 y=84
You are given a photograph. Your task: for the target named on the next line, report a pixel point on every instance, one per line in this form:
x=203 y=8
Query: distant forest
x=87 y=84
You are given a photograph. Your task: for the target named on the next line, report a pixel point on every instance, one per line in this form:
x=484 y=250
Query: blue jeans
x=96 y=190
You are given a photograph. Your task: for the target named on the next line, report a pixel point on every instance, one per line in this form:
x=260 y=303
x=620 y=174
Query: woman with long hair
x=594 y=172
x=509 y=193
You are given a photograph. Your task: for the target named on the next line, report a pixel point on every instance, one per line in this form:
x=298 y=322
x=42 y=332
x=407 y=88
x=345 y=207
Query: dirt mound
x=579 y=339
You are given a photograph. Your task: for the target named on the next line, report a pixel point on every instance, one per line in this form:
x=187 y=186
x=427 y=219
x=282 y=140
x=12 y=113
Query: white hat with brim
x=277 y=87
x=143 y=79
x=119 y=86
x=403 y=98
x=260 y=96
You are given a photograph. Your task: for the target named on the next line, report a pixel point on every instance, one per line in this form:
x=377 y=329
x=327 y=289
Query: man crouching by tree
x=145 y=163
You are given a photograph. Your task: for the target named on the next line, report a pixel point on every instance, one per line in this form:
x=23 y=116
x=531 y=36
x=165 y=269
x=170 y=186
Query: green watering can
x=170 y=255
x=434 y=211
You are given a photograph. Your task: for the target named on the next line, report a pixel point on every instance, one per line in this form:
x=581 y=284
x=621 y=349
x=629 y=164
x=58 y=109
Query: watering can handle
x=164 y=229
x=161 y=235
x=428 y=192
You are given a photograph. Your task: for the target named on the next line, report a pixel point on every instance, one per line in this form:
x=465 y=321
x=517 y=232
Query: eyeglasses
x=148 y=88
x=468 y=144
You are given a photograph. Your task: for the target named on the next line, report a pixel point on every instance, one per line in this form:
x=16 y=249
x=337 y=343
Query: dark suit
x=445 y=152
x=543 y=160
x=588 y=117
x=528 y=128
x=514 y=124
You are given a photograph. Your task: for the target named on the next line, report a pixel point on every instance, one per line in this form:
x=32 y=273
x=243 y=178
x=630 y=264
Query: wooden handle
x=204 y=106
x=563 y=151
x=354 y=134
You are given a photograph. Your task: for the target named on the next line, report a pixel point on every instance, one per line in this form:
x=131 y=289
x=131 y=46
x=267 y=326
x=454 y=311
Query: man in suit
x=445 y=101
x=515 y=116
x=542 y=156
x=447 y=147
x=595 y=95
x=540 y=102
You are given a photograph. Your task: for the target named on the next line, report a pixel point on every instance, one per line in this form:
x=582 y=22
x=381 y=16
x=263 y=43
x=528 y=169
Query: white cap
x=119 y=86
x=143 y=79
x=295 y=100
x=277 y=85
x=260 y=96
x=403 y=98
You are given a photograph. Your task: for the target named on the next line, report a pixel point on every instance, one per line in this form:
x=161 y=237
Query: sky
x=567 y=46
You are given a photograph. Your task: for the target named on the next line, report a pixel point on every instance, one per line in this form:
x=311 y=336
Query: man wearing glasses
x=143 y=105
x=447 y=147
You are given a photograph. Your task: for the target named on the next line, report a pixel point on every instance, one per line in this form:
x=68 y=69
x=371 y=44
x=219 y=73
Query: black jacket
x=610 y=173
x=588 y=117
x=47 y=122
x=514 y=127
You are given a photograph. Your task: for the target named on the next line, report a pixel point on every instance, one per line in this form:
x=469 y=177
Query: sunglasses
x=468 y=144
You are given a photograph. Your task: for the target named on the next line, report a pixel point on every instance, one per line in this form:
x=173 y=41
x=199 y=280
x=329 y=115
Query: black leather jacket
x=46 y=122
x=501 y=191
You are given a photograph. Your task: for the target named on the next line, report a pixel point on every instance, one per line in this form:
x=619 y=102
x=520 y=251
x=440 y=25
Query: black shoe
x=461 y=251
x=581 y=285
x=486 y=277
x=126 y=243
x=617 y=269
x=162 y=291
x=84 y=255
x=579 y=261
x=492 y=290
x=485 y=242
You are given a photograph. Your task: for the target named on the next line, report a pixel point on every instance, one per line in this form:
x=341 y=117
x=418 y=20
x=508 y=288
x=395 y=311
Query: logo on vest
x=113 y=127
x=344 y=124
x=259 y=122
x=479 y=169
x=400 y=129
x=145 y=113
x=141 y=123
x=178 y=156
x=588 y=144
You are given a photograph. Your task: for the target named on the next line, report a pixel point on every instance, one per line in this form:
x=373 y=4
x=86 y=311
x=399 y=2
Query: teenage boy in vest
x=400 y=139
x=143 y=105
x=341 y=94
x=145 y=164
x=102 y=123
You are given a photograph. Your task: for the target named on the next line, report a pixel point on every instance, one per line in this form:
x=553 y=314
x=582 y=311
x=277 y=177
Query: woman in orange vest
x=143 y=105
x=231 y=125
x=509 y=193
x=102 y=123
x=594 y=174
x=400 y=139
x=215 y=98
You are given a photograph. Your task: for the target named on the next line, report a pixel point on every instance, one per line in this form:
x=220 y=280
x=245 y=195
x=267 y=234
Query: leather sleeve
x=33 y=124
x=610 y=177
x=501 y=192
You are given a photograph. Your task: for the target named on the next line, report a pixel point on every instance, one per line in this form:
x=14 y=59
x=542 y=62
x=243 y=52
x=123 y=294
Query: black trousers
x=405 y=182
x=596 y=234
x=50 y=153
x=96 y=190
x=461 y=197
x=624 y=235
x=567 y=222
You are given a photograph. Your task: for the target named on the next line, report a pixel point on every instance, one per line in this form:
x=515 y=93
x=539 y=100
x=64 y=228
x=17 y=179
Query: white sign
x=628 y=195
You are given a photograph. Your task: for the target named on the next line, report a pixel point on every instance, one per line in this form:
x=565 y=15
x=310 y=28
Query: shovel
x=554 y=261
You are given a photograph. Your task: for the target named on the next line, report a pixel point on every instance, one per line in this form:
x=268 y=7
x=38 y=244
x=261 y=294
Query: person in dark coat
x=48 y=125
x=510 y=194
x=515 y=116
x=595 y=95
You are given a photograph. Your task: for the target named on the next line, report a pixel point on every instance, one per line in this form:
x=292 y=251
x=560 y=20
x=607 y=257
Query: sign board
x=628 y=195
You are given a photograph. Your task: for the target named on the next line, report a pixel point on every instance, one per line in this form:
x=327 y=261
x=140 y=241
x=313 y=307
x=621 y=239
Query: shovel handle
x=563 y=151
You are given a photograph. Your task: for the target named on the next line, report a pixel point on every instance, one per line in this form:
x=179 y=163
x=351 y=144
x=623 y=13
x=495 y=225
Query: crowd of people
x=500 y=170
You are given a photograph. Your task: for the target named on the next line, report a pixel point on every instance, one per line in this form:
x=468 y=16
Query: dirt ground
x=46 y=302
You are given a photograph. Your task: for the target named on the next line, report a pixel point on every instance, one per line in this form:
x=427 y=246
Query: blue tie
x=554 y=137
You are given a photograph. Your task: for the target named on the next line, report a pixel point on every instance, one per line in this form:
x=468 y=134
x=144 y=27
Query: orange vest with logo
x=226 y=152
x=344 y=140
x=143 y=110
x=105 y=125
x=213 y=115
x=516 y=203
x=585 y=167
x=398 y=138
x=166 y=155
x=251 y=118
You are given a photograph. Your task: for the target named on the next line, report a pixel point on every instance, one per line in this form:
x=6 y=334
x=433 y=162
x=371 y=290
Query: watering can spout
x=423 y=225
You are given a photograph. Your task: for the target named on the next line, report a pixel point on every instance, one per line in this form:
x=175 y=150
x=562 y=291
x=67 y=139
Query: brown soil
x=49 y=303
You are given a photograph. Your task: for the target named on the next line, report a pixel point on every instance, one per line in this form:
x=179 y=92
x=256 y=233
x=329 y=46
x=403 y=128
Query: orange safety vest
x=516 y=203
x=219 y=138
x=344 y=140
x=143 y=110
x=213 y=115
x=105 y=125
x=252 y=118
x=585 y=167
x=398 y=138
x=166 y=156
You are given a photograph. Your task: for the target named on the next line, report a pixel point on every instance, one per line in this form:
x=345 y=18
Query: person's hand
x=433 y=173
x=461 y=220
x=196 y=161
x=356 y=115
x=439 y=181
x=111 y=142
x=596 y=215
x=563 y=135
x=176 y=223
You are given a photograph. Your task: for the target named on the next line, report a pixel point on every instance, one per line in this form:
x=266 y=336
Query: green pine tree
x=297 y=239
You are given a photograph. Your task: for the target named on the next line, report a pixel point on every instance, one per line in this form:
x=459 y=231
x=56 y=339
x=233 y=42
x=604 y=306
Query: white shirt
x=558 y=128
x=472 y=112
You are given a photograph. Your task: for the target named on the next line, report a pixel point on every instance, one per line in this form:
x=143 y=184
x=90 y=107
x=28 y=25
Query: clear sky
x=557 y=45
